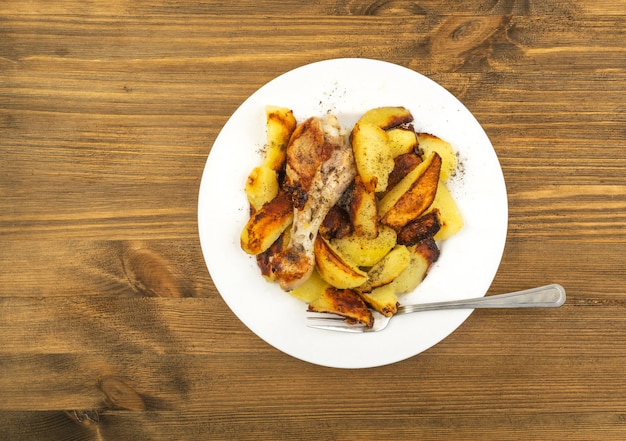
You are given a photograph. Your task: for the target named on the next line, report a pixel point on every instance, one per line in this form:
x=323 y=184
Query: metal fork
x=548 y=296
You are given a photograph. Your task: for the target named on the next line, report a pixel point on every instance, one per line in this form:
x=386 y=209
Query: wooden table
x=111 y=326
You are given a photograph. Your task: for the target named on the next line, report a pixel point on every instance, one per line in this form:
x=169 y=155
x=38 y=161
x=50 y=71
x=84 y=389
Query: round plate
x=347 y=88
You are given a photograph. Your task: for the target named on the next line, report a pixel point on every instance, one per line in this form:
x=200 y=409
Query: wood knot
x=120 y=395
x=150 y=274
x=392 y=8
x=461 y=39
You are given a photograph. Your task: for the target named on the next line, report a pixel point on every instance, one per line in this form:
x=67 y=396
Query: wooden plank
x=324 y=7
x=230 y=424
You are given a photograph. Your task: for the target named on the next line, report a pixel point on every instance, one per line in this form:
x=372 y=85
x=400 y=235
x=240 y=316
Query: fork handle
x=548 y=296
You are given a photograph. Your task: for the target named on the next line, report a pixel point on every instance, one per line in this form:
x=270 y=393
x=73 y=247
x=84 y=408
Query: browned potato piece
x=343 y=302
x=280 y=124
x=263 y=259
x=261 y=186
x=401 y=141
x=449 y=213
x=423 y=255
x=413 y=195
x=403 y=165
x=336 y=224
x=387 y=117
x=311 y=289
x=387 y=269
x=362 y=251
x=267 y=224
x=372 y=155
x=334 y=269
x=421 y=228
x=363 y=211
x=431 y=143
x=383 y=300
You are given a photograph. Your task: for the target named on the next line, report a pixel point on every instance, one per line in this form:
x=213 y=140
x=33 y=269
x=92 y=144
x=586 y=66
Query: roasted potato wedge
x=403 y=165
x=311 y=289
x=264 y=259
x=362 y=251
x=343 y=302
x=450 y=216
x=280 y=124
x=336 y=224
x=413 y=195
x=382 y=299
x=387 y=117
x=423 y=255
x=430 y=143
x=425 y=226
x=267 y=224
x=372 y=155
x=334 y=269
x=261 y=186
x=363 y=210
x=387 y=269
x=401 y=140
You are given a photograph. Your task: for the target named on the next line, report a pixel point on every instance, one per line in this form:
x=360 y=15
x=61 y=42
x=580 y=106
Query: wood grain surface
x=111 y=327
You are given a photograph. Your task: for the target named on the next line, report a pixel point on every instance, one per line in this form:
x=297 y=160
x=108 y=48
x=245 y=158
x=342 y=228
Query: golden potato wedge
x=413 y=195
x=363 y=211
x=387 y=268
x=362 y=251
x=261 y=186
x=387 y=117
x=371 y=155
x=450 y=216
x=425 y=226
x=423 y=255
x=430 y=143
x=382 y=299
x=267 y=224
x=343 y=302
x=311 y=289
x=401 y=141
x=280 y=124
x=334 y=269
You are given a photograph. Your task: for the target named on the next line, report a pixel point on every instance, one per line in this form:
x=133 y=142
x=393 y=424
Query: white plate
x=347 y=88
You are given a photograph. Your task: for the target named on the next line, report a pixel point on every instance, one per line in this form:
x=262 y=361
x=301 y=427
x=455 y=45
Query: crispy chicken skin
x=320 y=166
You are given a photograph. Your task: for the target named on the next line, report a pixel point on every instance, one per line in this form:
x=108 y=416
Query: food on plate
x=347 y=221
x=261 y=186
x=334 y=269
x=412 y=195
x=280 y=123
x=402 y=166
x=311 y=288
x=450 y=217
x=383 y=299
x=372 y=155
x=425 y=226
x=365 y=252
x=363 y=210
x=429 y=143
x=423 y=255
x=387 y=269
x=387 y=117
x=267 y=224
x=345 y=302
x=402 y=140
x=319 y=167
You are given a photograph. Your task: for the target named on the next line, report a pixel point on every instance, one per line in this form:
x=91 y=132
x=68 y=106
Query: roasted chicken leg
x=320 y=166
